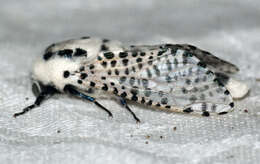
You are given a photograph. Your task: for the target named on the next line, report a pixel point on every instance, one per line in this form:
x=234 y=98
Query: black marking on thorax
x=66 y=53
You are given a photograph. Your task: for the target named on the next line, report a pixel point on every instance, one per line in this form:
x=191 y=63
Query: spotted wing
x=214 y=63
x=168 y=78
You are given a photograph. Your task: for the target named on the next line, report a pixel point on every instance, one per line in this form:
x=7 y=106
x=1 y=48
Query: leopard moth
x=172 y=77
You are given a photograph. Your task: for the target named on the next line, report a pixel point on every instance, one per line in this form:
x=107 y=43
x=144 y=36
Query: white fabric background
x=86 y=135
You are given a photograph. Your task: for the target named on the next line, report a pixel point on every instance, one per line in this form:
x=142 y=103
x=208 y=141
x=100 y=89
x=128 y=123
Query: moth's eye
x=36 y=88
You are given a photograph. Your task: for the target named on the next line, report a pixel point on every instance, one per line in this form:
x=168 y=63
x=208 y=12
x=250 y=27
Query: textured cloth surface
x=67 y=130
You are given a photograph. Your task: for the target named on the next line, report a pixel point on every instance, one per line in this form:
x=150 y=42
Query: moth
x=172 y=77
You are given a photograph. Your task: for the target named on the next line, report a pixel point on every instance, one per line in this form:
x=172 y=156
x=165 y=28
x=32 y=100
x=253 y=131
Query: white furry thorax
x=51 y=71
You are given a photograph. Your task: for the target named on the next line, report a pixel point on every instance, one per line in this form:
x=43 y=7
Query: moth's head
x=54 y=67
x=38 y=87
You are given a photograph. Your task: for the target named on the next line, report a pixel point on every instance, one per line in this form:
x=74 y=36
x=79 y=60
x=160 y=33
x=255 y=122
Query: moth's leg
x=71 y=90
x=123 y=102
x=48 y=92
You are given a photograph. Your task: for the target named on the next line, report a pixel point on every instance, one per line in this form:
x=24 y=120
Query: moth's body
x=170 y=77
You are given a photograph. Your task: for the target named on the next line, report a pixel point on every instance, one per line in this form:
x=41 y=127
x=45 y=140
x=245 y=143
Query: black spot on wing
x=134 y=54
x=143 y=100
x=164 y=100
x=105 y=88
x=209 y=72
x=109 y=72
x=90 y=90
x=127 y=71
x=205 y=113
x=157 y=71
x=132 y=81
x=134 y=91
x=140 y=65
x=134 y=98
x=226 y=92
x=204 y=106
x=99 y=58
x=109 y=55
x=83 y=76
x=142 y=54
x=202 y=64
x=133 y=69
x=123 y=54
x=218 y=81
x=138 y=60
x=117 y=72
x=125 y=62
x=147 y=92
x=188 y=81
x=92 y=66
x=113 y=63
x=150 y=102
x=124 y=94
x=149 y=74
x=145 y=83
x=92 y=84
x=122 y=79
x=80 y=52
x=158 y=105
x=161 y=52
x=222 y=113
x=115 y=91
x=112 y=83
x=188 y=110
x=82 y=68
x=104 y=48
x=104 y=64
